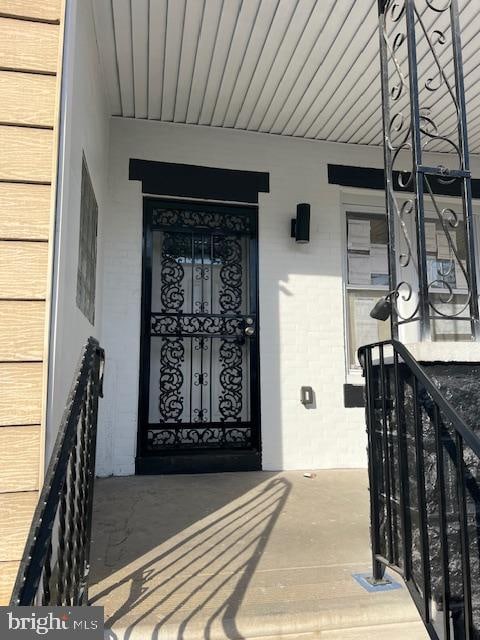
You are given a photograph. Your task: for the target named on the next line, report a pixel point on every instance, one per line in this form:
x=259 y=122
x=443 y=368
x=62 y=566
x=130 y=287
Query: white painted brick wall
x=301 y=301
x=85 y=129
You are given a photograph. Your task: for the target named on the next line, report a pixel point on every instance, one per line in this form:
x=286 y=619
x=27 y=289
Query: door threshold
x=199 y=462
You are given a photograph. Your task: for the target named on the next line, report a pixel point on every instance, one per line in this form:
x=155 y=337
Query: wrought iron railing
x=424 y=463
x=55 y=564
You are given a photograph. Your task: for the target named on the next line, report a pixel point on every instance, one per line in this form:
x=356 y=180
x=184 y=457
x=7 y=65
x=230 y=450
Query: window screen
x=87 y=247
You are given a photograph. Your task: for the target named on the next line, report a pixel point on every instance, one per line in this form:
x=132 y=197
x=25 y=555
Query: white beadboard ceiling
x=304 y=68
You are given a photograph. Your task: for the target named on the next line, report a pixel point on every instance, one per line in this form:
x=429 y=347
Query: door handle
x=249 y=329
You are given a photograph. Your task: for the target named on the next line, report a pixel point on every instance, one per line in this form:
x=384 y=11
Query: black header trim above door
x=370 y=178
x=192 y=181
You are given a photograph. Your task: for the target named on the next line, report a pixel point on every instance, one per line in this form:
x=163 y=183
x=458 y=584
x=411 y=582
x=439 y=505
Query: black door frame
x=210 y=460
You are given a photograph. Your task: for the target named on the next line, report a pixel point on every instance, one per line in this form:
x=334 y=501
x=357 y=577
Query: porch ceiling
x=298 y=68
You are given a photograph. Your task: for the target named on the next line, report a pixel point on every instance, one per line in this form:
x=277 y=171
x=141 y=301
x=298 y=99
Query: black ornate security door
x=199 y=405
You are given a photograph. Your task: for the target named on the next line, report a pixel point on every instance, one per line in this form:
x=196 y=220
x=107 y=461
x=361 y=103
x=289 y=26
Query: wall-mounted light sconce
x=300 y=229
x=383 y=308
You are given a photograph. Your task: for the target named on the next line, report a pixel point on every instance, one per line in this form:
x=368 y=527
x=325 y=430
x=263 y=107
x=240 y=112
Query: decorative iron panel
x=200 y=339
x=199 y=437
x=194 y=324
x=433 y=274
x=182 y=218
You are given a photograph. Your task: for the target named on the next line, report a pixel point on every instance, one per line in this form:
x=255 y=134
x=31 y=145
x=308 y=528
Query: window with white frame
x=366 y=279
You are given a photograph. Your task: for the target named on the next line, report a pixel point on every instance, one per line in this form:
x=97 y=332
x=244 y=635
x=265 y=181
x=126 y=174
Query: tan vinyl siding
x=30 y=53
x=28 y=46
x=15 y=108
x=25 y=211
x=8 y=572
x=19 y=458
x=48 y=10
x=23 y=270
x=21 y=330
x=25 y=154
x=15 y=509
x=20 y=393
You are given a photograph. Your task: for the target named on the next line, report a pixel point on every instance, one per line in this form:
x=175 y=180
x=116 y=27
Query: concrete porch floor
x=239 y=556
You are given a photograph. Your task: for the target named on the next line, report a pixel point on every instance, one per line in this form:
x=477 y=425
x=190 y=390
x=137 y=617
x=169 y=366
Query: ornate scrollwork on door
x=182 y=219
x=172 y=356
x=191 y=324
x=172 y=352
x=238 y=436
x=231 y=380
x=230 y=297
x=231 y=351
x=170 y=437
x=172 y=274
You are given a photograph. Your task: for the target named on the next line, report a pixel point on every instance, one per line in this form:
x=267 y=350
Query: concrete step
x=401 y=631
x=308 y=602
x=398 y=631
x=379 y=615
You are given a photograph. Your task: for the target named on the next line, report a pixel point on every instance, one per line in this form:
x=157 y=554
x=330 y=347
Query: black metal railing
x=55 y=564
x=424 y=493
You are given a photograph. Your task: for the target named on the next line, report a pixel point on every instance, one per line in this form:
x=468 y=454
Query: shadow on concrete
x=199 y=582
x=135 y=515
